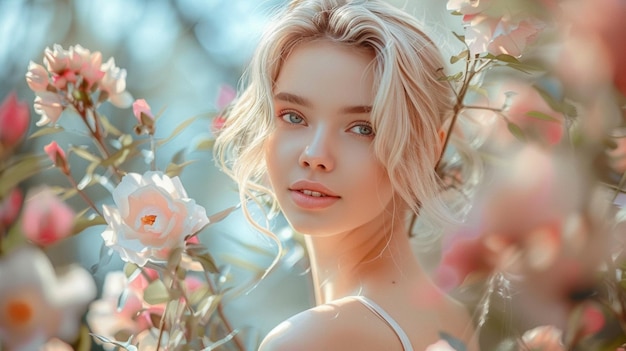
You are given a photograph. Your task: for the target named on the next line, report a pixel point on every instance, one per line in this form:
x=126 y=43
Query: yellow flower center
x=148 y=219
x=19 y=311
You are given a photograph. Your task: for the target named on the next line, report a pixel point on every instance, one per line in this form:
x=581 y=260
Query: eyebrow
x=299 y=100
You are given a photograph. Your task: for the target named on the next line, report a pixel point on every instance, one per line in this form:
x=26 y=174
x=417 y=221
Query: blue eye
x=363 y=129
x=291 y=118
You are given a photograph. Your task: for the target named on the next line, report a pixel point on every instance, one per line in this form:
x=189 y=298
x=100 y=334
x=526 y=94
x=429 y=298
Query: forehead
x=329 y=72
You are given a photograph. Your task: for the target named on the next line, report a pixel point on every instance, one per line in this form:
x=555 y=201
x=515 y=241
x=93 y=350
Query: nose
x=318 y=153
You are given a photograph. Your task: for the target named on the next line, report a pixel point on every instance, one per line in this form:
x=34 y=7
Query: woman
x=342 y=122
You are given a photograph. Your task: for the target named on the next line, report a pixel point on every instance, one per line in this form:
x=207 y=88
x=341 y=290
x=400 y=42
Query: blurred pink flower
x=497 y=27
x=37 y=77
x=141 y=106
x=36 y=304
x=544 y=338
x=153 y=216
x=46 y=219
x=57 y=156
x=49 y=106
x=14 y=121
x=440 y=345
x=10 y=207
x=109 y=316
x=114 y=84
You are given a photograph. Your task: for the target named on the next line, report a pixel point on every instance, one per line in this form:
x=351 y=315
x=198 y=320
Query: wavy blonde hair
x=411 y=104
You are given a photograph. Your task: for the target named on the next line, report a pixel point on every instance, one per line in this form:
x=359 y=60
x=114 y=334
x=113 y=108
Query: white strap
x=380 y=312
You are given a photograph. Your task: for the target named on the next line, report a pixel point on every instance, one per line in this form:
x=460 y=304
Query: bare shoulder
x=341 y=325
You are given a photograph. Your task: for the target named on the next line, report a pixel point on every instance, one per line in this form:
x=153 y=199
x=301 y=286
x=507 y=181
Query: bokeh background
x=178 y=53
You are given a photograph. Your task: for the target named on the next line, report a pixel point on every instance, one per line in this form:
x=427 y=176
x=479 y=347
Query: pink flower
x=114 y=84
x=141 y=106
x=36 y=304
x=14 y=121
x=49 y=106
x=57 y=156
x=37 y=77
x=440 y=345
x=86 y=64
x=499 y=35
x=544 y=338
x=497 y=27
x=153 y=216
x=56 y=60
x=46 y=218
x=10 y=208
x=107 y=318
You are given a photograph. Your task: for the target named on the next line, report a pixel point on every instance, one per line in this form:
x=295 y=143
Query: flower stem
x=220 y=312
x=83 y=195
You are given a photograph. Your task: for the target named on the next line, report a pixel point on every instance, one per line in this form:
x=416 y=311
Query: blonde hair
x=411 y=104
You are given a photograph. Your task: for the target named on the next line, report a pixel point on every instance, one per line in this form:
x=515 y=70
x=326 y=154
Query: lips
x=313 y=189
x=312 y=196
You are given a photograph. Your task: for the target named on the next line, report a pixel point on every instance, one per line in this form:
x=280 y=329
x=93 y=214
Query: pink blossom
x=10 y=207
x=56 y=344
x=56 y=60
x=46 y=218
x=49 y=106
x=141 y=106
x=153 y=216
x=37 y=77
x=114 y=84
x=36 y=304
x=499 y=35
x=86 y=64
x=57 y=156
x=544 y=338
x=14 y=121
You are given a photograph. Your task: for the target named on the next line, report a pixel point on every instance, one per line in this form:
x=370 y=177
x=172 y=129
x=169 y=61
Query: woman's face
x=320 y=158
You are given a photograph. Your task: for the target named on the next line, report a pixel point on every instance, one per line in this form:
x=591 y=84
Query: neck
x=373 y=258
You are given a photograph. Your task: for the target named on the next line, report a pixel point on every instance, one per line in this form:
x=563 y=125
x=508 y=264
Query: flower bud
x=14 y=121
x=144 y=116
x=46 y=218
x=57 y=155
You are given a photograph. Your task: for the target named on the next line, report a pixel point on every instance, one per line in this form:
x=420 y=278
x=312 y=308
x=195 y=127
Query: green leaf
x=214 y=218
x=124 y=345
x=516 y=131
x=20 y=171
x=131 y=270
x=178 y=130
x=556 y=105
x=108 y=127
x=507 y=58
x=173 y=169
x=156 y=293
x=45 y=131
x=542 y=116
x=460 y=37
x=123 y=154
x=81 y=223
x=461 y=56
x=82 y=152
x=84 y=341
x=200 y=253
x=205 y=144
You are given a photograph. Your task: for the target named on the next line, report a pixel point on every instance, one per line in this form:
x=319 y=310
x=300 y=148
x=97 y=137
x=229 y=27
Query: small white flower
x=50 y=106
x=37 y=77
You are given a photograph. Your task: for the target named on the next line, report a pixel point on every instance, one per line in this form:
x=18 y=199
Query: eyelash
x=283 y=115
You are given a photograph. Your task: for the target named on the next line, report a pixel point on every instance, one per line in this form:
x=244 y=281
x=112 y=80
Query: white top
x=380 y=312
